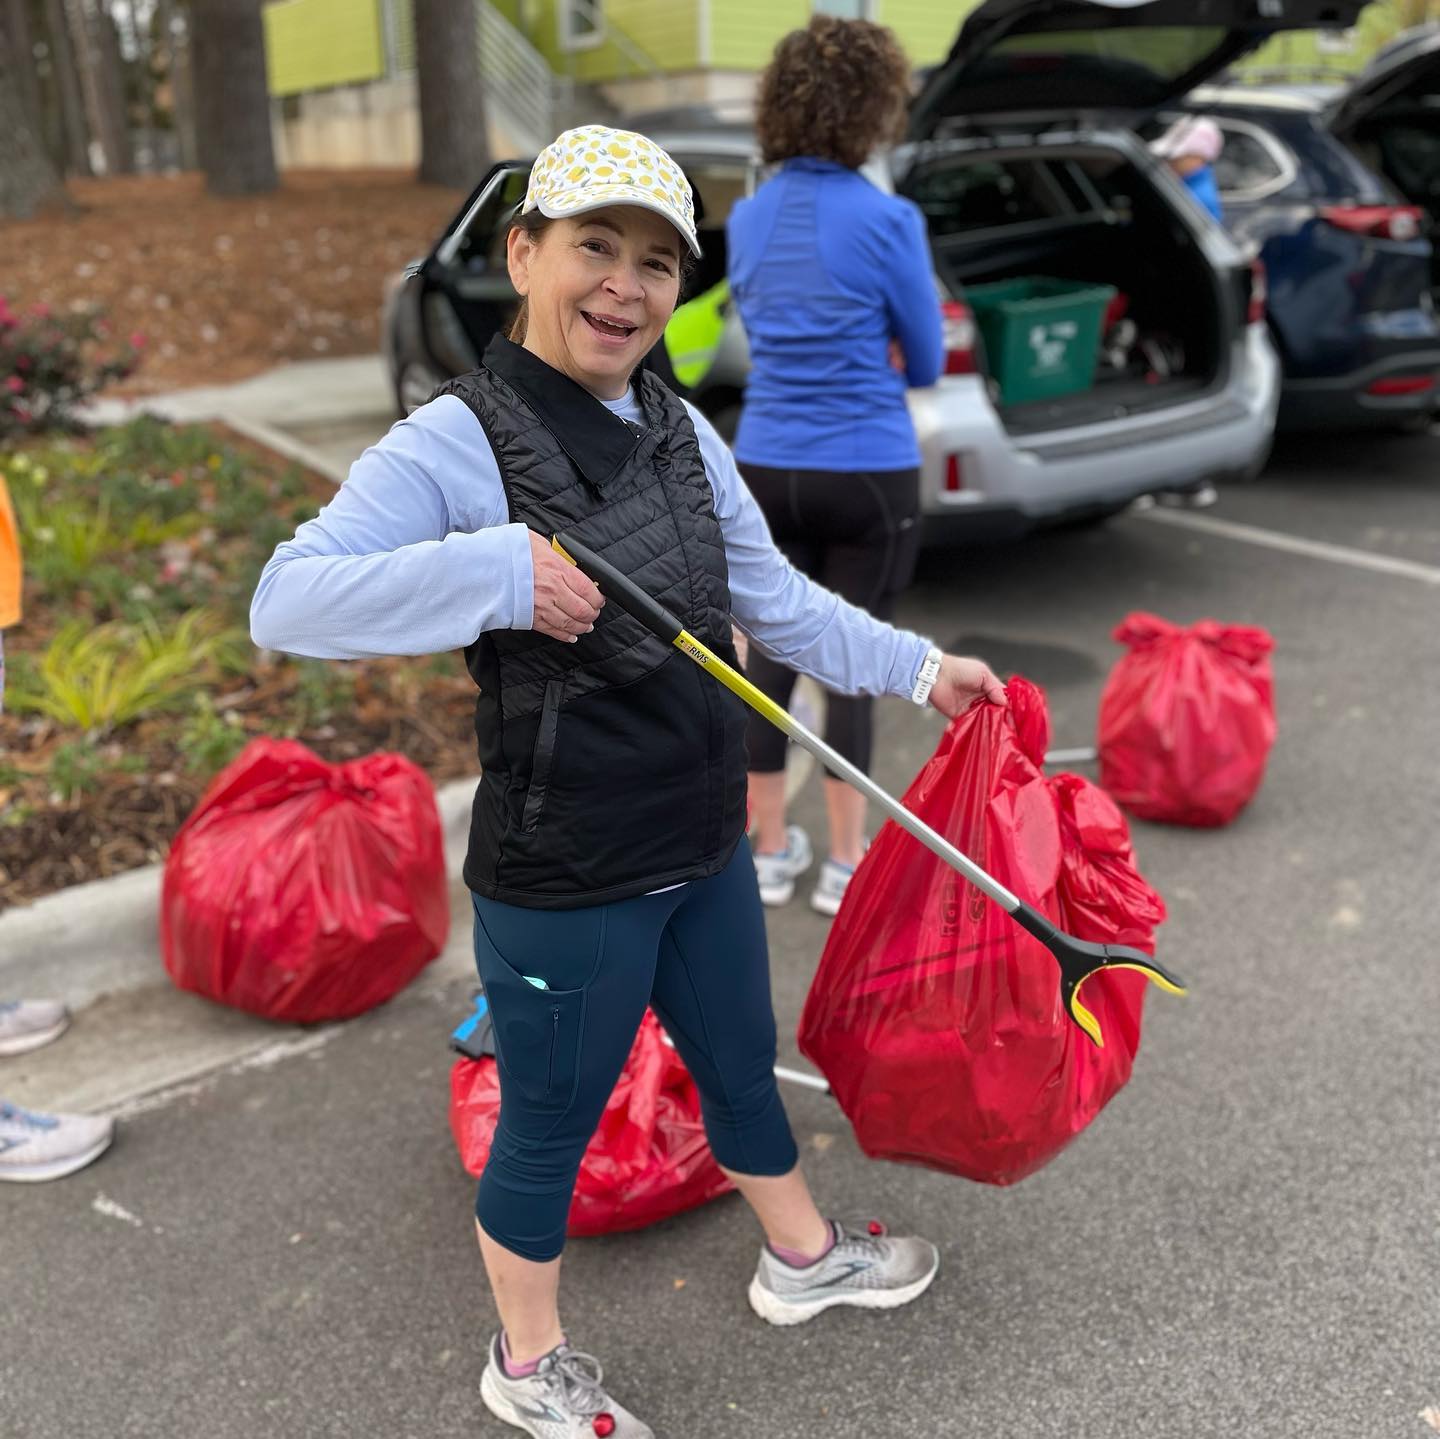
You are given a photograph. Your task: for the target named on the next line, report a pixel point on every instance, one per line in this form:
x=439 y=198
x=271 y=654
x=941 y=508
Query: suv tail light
x=1259 y=294
x=1382 y=222
x=1397 y=385
x=958 y=328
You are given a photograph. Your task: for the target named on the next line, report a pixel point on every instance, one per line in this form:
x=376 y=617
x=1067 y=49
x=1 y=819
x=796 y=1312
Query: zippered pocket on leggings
x=554 y=1045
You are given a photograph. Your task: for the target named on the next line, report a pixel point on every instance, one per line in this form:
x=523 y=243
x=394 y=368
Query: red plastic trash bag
x=302 y=891
x=647 y=1160
x=937 y=1019
x=1103 y=897
x=1187 y=719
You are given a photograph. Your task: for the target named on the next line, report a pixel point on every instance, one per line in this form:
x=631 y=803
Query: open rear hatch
x=1120 y=58
x=1072 y=69
x=1390 y=117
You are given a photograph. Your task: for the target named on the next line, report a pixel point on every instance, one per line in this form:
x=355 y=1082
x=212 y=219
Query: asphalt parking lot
x=1244 y=1244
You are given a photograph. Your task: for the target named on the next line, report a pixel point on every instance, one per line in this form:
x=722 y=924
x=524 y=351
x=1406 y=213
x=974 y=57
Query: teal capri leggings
x=697 y=955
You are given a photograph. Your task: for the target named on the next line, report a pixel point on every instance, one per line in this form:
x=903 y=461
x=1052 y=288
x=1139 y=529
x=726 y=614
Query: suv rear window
x=1246 y=163
x=985 y=195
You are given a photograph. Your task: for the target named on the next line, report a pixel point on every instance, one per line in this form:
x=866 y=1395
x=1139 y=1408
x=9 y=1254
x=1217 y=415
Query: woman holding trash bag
x=835 y=285
x=607 y=855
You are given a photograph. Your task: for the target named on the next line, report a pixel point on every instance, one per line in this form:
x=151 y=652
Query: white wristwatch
x=929 y=673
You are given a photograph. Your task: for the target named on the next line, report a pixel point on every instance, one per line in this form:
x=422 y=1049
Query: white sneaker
x=830 y=886
x=562 y=1399
x=49 y=1146
x=864 y=1268
x=26 y=1024
x=777 y=872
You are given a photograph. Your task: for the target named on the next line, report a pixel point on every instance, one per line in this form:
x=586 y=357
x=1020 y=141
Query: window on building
x=581 y=23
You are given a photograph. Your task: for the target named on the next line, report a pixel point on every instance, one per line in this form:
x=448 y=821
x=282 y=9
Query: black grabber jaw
x=1080 y=958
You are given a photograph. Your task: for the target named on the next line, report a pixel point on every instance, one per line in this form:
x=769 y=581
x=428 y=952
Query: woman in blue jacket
x=836 y=290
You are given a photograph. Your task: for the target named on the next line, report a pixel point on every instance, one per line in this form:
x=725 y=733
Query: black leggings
x=856 y=533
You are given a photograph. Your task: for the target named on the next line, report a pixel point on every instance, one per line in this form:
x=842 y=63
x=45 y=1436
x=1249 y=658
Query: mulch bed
x=128 y=819
x=226 y=287
x=141 y=780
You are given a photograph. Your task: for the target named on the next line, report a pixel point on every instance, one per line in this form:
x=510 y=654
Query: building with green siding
x=342 y=71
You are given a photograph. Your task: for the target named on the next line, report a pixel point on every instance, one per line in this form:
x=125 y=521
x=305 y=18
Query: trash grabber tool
x=1078 y=958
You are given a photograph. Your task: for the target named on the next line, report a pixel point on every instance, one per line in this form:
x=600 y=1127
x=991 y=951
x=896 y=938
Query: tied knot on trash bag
x=304 y=891
x=648 y=1158
x=938 y=1021
x=1187 y=719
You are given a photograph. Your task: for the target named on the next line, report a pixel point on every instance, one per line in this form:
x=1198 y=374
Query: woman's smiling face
x=600 y=290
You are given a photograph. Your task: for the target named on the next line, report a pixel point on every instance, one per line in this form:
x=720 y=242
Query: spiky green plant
x=98 y=677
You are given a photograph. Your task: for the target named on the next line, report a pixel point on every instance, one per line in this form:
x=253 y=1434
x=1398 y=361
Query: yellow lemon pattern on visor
x=593 y=166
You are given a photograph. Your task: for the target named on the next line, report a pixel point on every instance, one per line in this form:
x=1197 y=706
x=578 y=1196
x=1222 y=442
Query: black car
x=1338 y=187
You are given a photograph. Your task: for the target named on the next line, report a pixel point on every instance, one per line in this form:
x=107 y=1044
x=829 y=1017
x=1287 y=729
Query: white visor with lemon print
x=593 y=166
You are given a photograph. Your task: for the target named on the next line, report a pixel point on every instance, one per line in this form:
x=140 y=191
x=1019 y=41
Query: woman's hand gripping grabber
x=1078 y=959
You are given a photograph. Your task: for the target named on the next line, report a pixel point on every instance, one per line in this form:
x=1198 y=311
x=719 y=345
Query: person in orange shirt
x=35 y=1146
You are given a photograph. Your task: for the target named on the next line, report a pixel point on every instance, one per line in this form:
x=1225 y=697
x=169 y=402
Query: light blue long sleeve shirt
x=416 y=555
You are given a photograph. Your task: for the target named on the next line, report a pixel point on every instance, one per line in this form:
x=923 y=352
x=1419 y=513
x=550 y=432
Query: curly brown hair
x=835 y=90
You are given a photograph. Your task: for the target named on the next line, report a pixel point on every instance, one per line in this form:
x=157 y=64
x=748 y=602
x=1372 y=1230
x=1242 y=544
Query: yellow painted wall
x=743 y=32
x=926 y=30
x=315 y=44
x=667 y=31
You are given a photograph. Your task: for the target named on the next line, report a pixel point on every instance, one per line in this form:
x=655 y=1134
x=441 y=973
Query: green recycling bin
x=1042 y=336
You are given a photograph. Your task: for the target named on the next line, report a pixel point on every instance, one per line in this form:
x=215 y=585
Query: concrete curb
x=103 y=938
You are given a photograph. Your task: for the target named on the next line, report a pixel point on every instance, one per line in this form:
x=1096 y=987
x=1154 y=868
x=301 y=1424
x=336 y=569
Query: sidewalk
x=321 y=413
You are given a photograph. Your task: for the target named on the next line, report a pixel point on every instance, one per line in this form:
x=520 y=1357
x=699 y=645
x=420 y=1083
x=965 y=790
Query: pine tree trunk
x=72 y=105
x=27 y=178
x=22 y=51
x=112 y=88
x=100 y=84
x=453 y=149
x=232 y=102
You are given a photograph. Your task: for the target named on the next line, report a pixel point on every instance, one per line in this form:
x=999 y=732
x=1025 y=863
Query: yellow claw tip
x=1159 y=980
x=560 y=549
x=1087 y=1022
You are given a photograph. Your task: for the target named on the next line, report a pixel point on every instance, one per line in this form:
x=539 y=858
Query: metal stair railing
x=517 y=79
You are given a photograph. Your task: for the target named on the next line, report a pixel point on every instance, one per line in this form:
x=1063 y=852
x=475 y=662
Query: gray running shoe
x=777 y=872
x=830 y=886
x=49 y=1146
x=562 y=1399
x=26 y=1024
x=865 y=1268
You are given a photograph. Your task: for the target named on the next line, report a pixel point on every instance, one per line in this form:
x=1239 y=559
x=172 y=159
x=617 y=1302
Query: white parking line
x=1294 y=545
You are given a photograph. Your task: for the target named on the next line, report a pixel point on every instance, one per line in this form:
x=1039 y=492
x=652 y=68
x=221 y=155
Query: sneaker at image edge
x=36 y=1147
x=777 y=873
x=866 y=1268
x=563 y=1399
x=26 y=1024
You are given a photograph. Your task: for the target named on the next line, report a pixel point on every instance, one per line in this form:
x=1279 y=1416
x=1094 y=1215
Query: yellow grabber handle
x=1078 y=958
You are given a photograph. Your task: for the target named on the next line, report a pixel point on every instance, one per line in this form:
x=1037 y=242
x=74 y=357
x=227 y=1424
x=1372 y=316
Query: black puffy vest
x=613 y=766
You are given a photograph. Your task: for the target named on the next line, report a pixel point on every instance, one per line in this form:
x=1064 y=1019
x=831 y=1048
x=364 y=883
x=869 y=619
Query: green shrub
x=209 y=740
x=97 y=677
x=51 y=362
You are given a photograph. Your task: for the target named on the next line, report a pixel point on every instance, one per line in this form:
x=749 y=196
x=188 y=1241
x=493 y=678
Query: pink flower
x=40 y=311
x=138 y=340
x=15 y=384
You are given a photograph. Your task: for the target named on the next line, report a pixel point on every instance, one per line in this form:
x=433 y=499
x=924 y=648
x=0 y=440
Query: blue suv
x=1337 y=188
